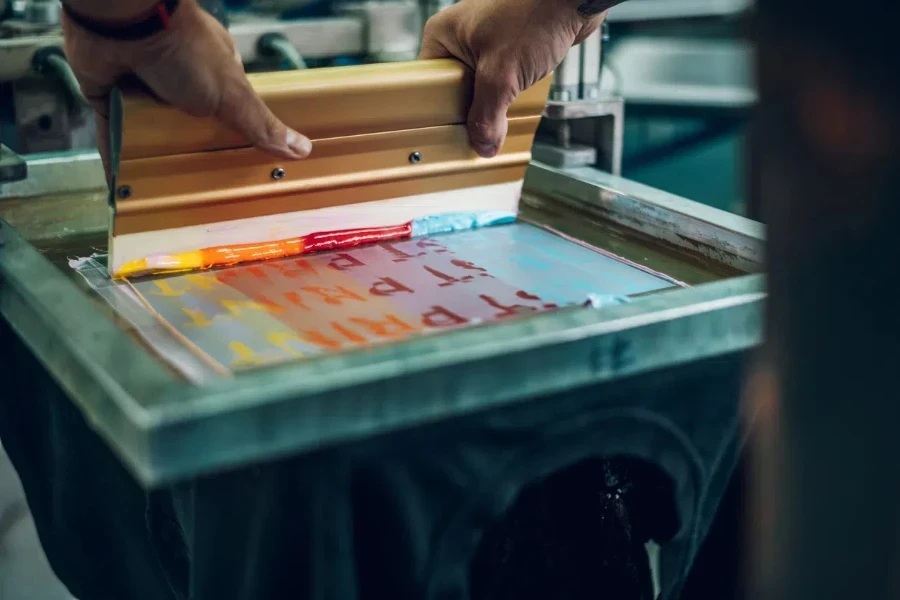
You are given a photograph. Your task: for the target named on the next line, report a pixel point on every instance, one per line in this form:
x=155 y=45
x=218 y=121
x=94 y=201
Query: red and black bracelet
x=153 y=22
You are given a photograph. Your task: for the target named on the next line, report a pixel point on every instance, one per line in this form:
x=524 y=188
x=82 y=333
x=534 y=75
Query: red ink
x=439 y=316
x=387 y=286
x=470 y=266
x=533 y=298
x=344 y=261
x=448 y=279
x=334 y=240
x=400 y=255
x=506 y=311
x=428 y=243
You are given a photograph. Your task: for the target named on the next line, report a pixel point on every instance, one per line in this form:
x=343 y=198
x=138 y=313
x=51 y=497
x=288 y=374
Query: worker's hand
x=193 y=65
x=511 y=45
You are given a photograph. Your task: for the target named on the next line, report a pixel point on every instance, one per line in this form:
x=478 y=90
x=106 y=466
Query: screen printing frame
x=156 y=423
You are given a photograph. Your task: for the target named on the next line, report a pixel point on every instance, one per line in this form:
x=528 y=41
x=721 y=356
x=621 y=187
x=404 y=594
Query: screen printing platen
x=156 y=417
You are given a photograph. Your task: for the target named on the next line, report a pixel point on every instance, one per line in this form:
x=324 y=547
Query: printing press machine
x=378 y=472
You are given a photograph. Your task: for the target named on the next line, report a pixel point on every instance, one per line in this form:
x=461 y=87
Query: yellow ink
x=236 y=307
x=282 y=340
x=204 y=282
x=166 y=289
x=245 y=356
x=198 y=318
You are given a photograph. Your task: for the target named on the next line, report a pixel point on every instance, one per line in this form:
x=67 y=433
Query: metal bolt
x=415 y=157
x=278 y=174
x=124 y=192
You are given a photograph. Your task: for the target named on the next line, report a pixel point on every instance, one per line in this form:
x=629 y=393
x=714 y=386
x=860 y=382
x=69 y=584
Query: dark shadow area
x=717 y=571
x=578 y=534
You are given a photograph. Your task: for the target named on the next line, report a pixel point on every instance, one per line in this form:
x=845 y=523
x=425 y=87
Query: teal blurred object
x=711 y=172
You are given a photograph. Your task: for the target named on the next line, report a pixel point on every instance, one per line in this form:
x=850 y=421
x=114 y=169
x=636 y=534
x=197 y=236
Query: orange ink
x=300 y=268
x=257 y=272
x=220 y=256
x=317 y=338
x=334 y=296
x=349 y=335
x=295 y=299
x=390 y=327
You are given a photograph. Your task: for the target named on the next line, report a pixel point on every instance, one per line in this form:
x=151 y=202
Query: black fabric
x=147 y=27
x=401 y=516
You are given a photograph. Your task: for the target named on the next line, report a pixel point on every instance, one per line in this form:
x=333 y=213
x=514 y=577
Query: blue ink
x=450 y=222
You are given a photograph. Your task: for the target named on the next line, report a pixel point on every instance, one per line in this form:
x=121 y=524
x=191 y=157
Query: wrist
x=591 y=9
x=138 y=20
x=112 y=12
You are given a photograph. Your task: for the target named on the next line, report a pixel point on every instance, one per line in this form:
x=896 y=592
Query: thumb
x=494 y=92
x=244 y=111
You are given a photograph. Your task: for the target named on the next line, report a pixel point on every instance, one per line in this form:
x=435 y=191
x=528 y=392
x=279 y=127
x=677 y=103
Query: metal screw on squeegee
x=278 y=174
x=415 y=157
x=124 y=192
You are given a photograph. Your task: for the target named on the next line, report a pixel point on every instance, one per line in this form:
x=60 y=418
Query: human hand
x=193 y=65
x=511 y=45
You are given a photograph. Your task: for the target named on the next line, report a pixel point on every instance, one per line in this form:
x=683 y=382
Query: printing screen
x=252 y=315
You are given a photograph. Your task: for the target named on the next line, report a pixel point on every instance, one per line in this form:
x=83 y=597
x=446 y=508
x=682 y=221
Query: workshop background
x=682 y=67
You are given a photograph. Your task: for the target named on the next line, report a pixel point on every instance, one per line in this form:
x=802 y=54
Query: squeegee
x=390 y=159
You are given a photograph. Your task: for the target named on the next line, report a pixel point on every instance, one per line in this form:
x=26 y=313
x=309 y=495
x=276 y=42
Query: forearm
x=106 y=10
x=591 y=8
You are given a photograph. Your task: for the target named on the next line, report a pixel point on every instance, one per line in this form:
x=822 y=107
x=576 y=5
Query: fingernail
x=485 y=150
x=299 y=143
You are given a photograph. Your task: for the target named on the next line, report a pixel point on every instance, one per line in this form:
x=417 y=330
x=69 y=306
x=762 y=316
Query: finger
x=243 y=110
x=487 y=123
x=590 y=27
x=432 y=47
